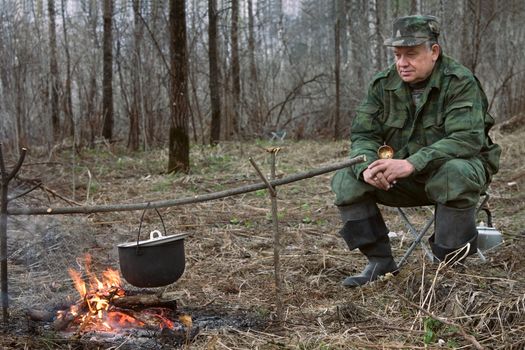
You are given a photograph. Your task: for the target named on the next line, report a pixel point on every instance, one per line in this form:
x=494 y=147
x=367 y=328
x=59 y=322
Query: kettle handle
x=489 y=216
x=142 y=219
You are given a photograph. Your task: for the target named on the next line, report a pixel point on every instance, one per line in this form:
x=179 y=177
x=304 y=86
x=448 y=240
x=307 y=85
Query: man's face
x=415 y=63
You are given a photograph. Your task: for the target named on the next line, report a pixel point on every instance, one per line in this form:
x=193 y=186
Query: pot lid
x=154 y=240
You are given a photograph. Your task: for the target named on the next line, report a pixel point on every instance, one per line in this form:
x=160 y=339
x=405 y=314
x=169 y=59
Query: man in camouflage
x=432 y=112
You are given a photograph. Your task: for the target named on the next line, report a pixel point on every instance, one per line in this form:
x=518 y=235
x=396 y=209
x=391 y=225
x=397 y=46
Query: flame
x=100 y=293
x=79 y=284
x=95 y=309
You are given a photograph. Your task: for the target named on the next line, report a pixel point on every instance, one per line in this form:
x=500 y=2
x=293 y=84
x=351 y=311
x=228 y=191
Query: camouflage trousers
x=458 y=183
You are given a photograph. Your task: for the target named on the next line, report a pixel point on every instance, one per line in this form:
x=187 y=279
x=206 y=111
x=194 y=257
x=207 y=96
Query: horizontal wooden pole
x=186 y=200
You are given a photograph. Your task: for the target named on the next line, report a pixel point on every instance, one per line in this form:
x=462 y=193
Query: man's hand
x=383 y=173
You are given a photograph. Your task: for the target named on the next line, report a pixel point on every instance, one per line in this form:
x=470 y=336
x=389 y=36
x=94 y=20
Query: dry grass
x=229 y=263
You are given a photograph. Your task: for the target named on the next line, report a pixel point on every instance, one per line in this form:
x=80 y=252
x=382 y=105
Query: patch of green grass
x=246 y=223
x=261 y=193
x=262 y=312
x=126 y=162
x=263 y=143
x=164 y=184
x=453 y=343
x=431 y=327
x=280 y=215
x=320 y=222
x=296 y=190
x=435 y=329
x=215 y=163
x=94 y=187
x=218 y=187
x=235 y=221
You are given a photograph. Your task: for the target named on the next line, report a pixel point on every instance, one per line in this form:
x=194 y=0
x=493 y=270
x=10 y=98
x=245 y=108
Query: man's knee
x=458 y=182
x=348 y=189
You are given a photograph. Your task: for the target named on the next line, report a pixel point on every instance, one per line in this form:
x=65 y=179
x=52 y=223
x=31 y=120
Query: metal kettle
x=488 y=236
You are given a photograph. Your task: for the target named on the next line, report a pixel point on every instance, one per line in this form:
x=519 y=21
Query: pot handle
x=140 y=226
x=155 y=234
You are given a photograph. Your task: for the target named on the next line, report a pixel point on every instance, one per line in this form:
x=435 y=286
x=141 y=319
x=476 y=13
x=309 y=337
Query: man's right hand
x=376 y=179
x=384 y=173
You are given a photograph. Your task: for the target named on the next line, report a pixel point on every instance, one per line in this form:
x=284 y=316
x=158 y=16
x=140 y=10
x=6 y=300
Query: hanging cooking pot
x=155 y=262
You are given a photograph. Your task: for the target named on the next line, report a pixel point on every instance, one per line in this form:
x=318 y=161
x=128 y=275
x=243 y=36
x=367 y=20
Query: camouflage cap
x=413 y=30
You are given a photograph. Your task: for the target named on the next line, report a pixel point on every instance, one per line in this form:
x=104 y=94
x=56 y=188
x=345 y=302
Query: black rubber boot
x=364 y=228
x=456 y=235
x=380 y=262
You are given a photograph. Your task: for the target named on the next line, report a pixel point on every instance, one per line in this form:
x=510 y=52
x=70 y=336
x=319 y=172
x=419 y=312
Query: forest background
x=80 y=72
x=108 y=95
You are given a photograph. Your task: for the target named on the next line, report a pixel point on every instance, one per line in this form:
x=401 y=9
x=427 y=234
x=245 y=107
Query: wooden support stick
x=188 y=200
x=5 y=178
x=276 y=235
x=276 y=246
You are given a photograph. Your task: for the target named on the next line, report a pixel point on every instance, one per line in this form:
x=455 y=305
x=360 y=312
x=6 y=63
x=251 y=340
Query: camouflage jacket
x=451 y=120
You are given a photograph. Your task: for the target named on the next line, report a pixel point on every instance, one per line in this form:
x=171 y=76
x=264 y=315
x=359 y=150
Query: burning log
x=124 y=310
x=145 y=301
x=63 y=320
x=105 y=306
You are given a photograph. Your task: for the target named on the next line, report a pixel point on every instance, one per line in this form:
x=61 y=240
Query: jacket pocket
x=370 y=110
x=395 y=131
x=396 y=120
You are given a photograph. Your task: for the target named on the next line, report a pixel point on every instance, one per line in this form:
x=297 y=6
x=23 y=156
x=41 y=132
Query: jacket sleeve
x=366 y=132
x=463 y=124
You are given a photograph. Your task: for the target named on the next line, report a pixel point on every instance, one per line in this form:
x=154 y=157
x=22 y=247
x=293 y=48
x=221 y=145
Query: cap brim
x=404 y=41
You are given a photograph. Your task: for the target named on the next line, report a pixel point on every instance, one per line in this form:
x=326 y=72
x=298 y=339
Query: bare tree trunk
x=215 y=98
x=152 y=118
x=254 y=84
x=236 y=69
x=53 y=68
x=342 y=9
x=337 y=71
x=20 y=77
x=193 y=80
x=134 y=113
x=179 y=142
x=415 y=7
x=251 y=41
x=90 y=113
x=107 y=79
x=68 y=102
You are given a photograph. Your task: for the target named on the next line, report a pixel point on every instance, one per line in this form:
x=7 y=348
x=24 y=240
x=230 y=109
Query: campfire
x=104 y=306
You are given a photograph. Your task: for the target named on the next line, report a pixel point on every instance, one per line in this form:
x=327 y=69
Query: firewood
x=63 y=320
x=144 y=301
x=39 y=315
